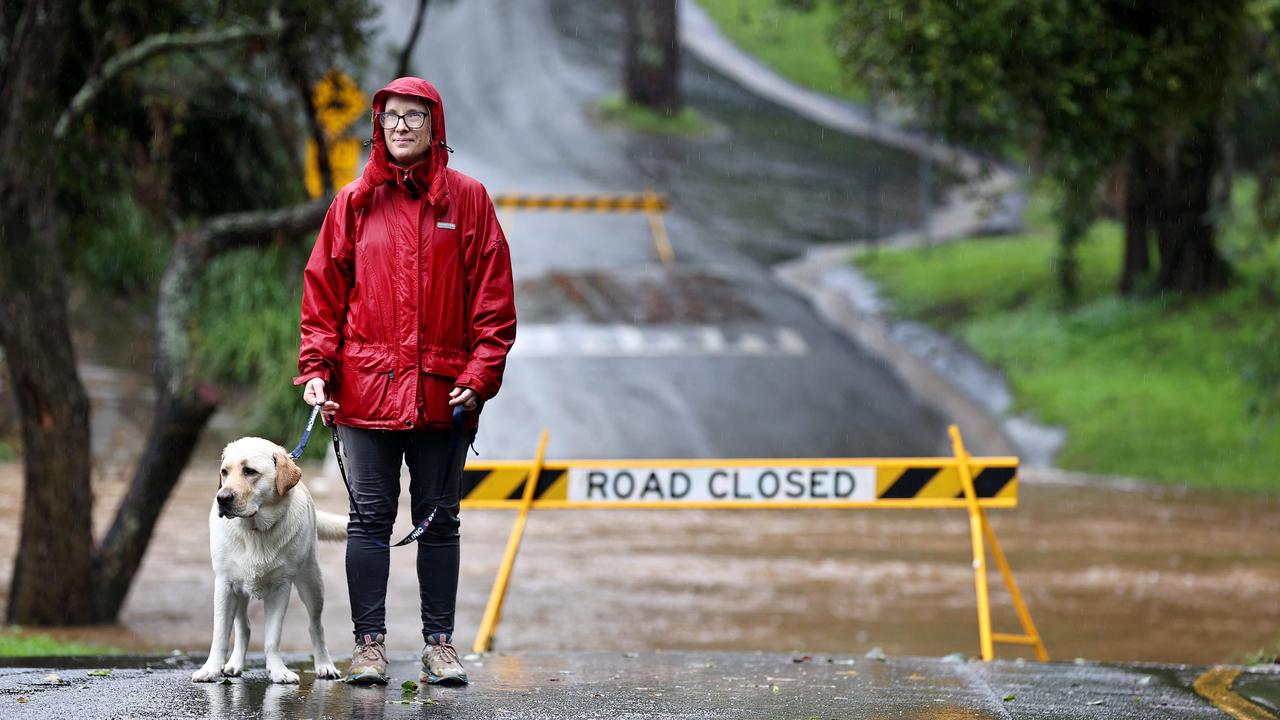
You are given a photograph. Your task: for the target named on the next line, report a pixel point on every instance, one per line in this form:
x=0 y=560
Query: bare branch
x=183 y=403
x=227 y=232
x=402 y=69
x=151 y=47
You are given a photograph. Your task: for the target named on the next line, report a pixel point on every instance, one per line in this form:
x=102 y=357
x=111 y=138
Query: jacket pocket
x=448 y=363
x=367 y=358
x=440 y=370
x=367 y=389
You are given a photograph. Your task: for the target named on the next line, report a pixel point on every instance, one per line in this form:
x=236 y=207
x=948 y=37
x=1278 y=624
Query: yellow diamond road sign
x=339 y=102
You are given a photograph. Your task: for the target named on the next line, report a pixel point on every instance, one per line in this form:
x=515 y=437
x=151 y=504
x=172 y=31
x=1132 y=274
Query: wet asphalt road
x=644 y=685
x=618 y=355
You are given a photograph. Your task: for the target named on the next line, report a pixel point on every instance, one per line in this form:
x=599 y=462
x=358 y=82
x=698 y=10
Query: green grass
x=1158 y=388
x=1268 y=655
x=794 y=43
x=615 y=110
x=247 y=334
x=14 y=642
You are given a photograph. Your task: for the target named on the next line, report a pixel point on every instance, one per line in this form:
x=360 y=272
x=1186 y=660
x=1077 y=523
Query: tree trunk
x=174 y=432
x=1075 y=215
x=302 y=83
x=183 y=408
x=1189 y=259
x=51 y=570
x=652 y=67
x=1142 y=174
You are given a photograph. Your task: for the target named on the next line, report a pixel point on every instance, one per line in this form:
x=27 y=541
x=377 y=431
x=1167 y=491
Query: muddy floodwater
x=1110 y=574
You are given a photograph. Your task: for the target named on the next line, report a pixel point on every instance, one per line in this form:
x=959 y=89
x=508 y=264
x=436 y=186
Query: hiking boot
x=440 y=664
x=369 y=662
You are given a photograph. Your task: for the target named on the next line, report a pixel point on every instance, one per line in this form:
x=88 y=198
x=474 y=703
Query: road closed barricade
x=652 y=205
x=961 y=482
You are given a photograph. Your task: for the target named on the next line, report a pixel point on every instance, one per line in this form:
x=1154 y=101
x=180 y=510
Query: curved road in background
x=618 y=355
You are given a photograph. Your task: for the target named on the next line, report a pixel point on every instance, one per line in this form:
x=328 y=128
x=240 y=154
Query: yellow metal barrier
x=653 y=205
x=960 y=482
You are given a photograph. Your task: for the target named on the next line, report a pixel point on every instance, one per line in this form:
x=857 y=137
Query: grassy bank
x=1158 y=387
x=615 y=110
x=15 y=642
x=796 y=44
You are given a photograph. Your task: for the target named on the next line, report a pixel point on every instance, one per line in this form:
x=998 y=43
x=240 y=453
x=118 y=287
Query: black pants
x=373 y=459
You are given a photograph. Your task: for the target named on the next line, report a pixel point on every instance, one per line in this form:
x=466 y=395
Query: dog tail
x=330 y=526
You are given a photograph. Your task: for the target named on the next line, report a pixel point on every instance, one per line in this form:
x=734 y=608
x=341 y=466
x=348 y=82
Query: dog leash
x=306 y=434
x=454 y=434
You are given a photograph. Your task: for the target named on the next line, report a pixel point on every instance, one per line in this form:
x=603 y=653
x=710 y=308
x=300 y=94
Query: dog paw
x=233 y=669
x=326 y=671
x=284 y=676
x=208 y=673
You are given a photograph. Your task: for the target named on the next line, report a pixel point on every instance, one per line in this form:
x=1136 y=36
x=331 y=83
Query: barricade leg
x=980 y=529
x=498 y=594
x=979 y=550
x=1032 y=636
x=657 y=228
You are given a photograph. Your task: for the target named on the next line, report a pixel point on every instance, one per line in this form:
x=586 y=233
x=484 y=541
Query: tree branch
x=227 y=232
x=147 y=49
x=184 y=404
x=402 y=69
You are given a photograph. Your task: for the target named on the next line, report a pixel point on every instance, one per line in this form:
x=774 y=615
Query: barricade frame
x=983 y=538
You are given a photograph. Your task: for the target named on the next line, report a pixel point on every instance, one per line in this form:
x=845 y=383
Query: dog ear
x=287 y=473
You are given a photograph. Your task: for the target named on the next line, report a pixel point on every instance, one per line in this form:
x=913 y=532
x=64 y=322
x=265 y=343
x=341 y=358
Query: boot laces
x=446 y=651
x=373 y=651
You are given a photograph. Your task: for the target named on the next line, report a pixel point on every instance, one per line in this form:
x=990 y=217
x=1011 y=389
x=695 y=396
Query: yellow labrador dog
x=263 y=529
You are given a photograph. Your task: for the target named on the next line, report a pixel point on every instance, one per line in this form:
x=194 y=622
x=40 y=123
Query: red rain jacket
x=408 y=291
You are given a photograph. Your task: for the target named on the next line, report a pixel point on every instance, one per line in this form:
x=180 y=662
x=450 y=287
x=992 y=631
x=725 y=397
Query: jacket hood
x=430 y=173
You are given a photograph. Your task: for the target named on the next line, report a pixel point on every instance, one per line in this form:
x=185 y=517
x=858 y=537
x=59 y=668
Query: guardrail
x=652 y=204
x=959 y=482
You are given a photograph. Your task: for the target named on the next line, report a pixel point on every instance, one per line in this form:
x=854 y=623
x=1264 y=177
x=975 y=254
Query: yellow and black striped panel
x=502 y=483
x=900 y=482
x=507 y=484
x=625 y=203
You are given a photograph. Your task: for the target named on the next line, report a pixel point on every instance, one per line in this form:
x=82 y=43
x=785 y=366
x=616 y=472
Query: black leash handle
x=454 y=436
x=306 y=434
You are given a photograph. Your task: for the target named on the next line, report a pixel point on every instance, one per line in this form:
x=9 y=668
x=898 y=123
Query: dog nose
x=225 y=497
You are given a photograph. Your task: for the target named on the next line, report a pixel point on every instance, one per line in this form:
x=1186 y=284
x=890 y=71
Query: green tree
x=192 y=140
x=1089 y=87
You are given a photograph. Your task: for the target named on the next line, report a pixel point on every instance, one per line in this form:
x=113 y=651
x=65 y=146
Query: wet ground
x=1153 y=575
x=647 y=685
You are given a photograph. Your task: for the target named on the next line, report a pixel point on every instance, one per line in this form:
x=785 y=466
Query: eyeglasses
x=412 y=120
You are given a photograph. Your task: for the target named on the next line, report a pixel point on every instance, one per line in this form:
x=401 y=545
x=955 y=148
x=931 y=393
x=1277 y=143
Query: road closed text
x=740 y=484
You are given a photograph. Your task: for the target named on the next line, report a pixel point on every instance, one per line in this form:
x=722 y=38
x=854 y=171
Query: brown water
x=1110 y=574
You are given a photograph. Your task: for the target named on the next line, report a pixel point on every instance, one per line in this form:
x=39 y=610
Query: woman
x=407 y=311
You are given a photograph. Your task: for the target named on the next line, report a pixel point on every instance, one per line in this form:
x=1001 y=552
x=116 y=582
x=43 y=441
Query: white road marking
x=792 y=341
x=752 y=344
x=568 y=340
